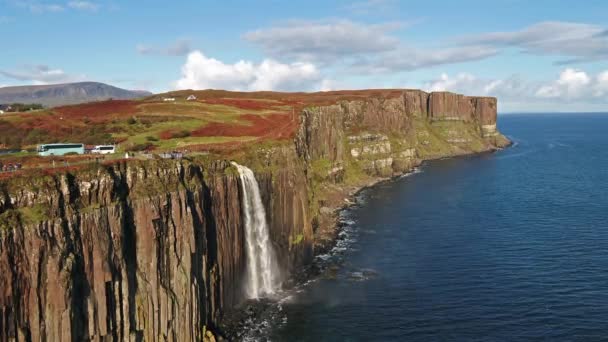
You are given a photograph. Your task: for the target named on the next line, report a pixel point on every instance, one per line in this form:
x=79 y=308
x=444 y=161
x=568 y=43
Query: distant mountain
x=63 y=94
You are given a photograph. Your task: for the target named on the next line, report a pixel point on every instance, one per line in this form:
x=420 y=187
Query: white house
x=169 y=99
x=191 y=98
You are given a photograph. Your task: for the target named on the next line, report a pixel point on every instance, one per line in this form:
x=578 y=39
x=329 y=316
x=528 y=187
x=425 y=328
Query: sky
x=535 y=56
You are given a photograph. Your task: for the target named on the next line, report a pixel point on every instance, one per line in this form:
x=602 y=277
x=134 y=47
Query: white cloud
x=447 y=83
x=40 y=7
x=602 y=84
x=358 y=47
x=54 y=7
x=324 y=40
x=576 y=41
x=572 y=83
x=372 y=48
x=573 y=90
x=84 y=5
x=181 y=47
x=41 y=74
x=329 y=85
x=202 y=72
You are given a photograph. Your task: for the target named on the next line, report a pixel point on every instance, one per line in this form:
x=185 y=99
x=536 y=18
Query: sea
x=505 y=246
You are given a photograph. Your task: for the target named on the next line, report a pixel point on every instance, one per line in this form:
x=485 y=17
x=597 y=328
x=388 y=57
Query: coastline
x=354 y=191
x=181 y=223
x=250 y=320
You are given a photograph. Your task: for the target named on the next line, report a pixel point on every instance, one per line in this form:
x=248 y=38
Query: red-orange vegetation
x=166 y=135
x=62 y=169
x=115 y=161
x=173 y=133
x=275 y=126
x=7 y=175
x=225 y=147
x=247 y=104
x=98 y=111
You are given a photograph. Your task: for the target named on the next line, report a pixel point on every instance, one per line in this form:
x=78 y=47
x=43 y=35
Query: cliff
x=154 y=250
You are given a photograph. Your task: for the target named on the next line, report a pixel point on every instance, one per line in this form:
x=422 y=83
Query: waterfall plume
x=262 y=271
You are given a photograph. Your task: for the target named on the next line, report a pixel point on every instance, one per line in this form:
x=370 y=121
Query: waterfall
x=262 y=271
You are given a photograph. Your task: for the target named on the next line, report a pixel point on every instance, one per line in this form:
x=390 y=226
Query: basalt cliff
x=154 y=250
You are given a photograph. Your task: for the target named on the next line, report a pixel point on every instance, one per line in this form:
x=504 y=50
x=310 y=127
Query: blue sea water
x=510 y=246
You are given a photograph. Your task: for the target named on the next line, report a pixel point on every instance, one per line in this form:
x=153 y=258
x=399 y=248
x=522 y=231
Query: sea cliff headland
x=155 y=249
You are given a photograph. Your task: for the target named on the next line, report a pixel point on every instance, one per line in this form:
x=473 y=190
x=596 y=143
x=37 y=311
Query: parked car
x=104 y=149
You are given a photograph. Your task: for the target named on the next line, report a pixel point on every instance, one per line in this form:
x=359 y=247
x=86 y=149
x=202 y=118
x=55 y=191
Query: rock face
x=399 y=129
x=155 y=250
x=450 y=106
x=126 y=253
x=112 y=262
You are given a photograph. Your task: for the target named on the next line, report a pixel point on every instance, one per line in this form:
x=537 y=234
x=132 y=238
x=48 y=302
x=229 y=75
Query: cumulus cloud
x=602 y=84
x=447 y=83
x=181 y=47
x=572 y=83
x=576 y=41
x=40 y=74
x=467 y=83
x=572 y=89
x=202 y=72
x=323 y=40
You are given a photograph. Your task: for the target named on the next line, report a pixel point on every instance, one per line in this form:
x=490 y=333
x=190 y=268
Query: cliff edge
x=154 y=250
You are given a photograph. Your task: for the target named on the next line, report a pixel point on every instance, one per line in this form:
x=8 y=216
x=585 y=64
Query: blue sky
x=533 y=55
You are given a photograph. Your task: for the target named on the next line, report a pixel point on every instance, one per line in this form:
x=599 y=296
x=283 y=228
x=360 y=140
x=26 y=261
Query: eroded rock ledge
x=154 y=250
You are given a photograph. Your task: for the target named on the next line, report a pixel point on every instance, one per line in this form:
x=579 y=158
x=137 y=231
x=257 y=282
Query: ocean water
x=510 y=246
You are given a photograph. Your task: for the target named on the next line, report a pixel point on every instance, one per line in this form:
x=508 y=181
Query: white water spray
x=262 y=278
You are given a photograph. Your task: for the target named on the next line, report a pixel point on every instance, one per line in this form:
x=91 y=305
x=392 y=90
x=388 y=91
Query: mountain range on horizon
x=68 y=93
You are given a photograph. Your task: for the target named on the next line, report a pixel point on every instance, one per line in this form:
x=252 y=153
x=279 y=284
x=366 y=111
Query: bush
x=36 y=136
x=132 y=120
x=94 y=138
x=181 y=134
x=151 y=138
x=173 y=134
x=141 y=147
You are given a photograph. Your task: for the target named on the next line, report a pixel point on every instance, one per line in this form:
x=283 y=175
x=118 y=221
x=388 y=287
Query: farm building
x=191 y=98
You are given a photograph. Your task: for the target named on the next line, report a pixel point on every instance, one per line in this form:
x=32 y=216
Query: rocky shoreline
x=252 y=319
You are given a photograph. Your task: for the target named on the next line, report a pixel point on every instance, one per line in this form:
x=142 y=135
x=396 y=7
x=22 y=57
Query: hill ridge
x=52 y=95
